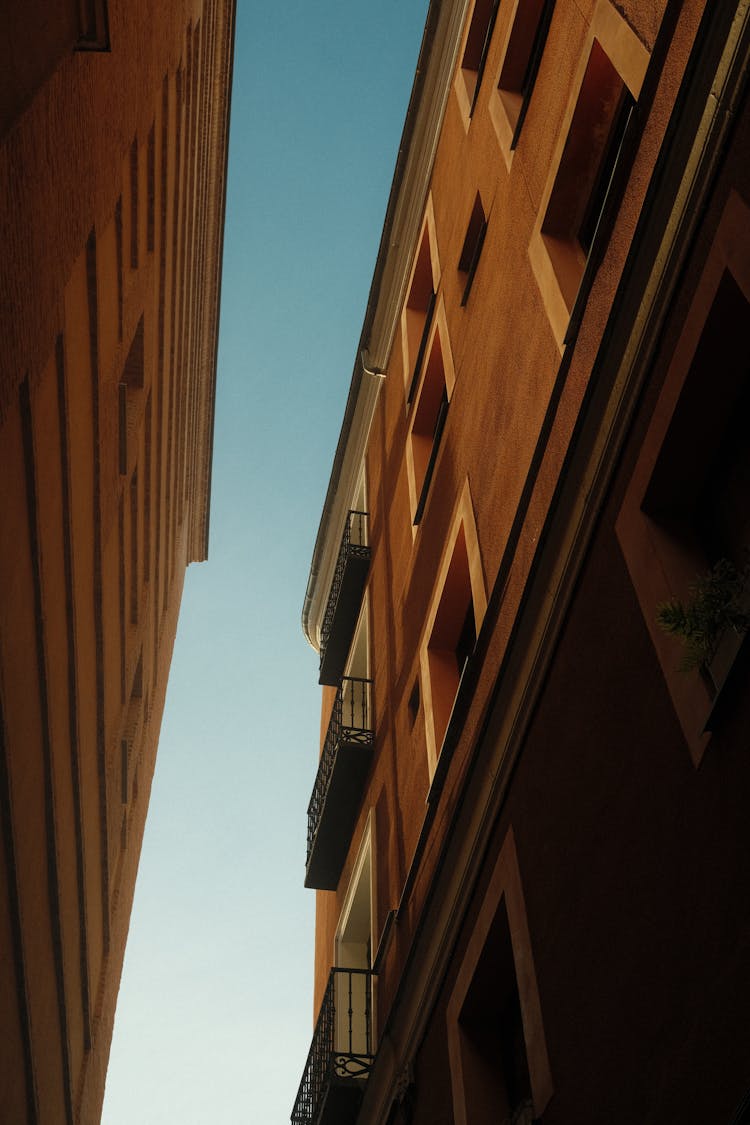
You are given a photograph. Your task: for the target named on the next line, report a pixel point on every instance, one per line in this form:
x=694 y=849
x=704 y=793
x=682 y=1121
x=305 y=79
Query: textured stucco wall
x=111 y=219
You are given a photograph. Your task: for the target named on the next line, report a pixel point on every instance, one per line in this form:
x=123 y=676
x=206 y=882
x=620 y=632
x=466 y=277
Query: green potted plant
x=717 y=603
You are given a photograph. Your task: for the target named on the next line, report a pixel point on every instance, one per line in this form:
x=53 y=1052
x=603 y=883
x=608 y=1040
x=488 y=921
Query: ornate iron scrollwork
x=342 y=1049
x=350 y=723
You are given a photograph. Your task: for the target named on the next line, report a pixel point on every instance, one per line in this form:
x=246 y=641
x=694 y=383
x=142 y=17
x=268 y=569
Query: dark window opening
x=497 y=1084
x=590 y=180
x=698 y=496
x=437 y=434
x=467 y=639
x=699 y=491
x=522 y=60
x=420 y=306
x=477 y=47
x=427 y=424
x=413 y=703
x=93 y=26
x=452 y=638
x=472 y=247
x=605 y=176
x=427 y=324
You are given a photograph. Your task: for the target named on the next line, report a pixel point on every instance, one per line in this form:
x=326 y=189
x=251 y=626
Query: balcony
x=345 y=598
x=341 y=1054
x=337 y=792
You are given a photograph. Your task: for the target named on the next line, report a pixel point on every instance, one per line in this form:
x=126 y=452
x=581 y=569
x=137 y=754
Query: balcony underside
x=341 y=1102
x=340 y=807
x=345 y=615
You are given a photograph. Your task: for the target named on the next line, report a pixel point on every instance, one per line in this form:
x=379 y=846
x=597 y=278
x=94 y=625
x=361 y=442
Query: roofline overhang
x=403 y=219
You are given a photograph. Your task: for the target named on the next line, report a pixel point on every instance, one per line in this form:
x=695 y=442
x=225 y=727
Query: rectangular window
x=452 y=625
x=498 y=1058
x=588 y=176
x=429 y=413
x=130 y=401
x=521 y=59
x=476 y=48
x=687 y=506
x=497 y=1086
x=93 y=29
x=452 y=637
x=472 y=247
x=416 y=318
x=586 y=173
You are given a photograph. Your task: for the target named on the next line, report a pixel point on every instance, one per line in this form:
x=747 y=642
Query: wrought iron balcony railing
x=345 y=598
x=341 y=1054
x=337 y=791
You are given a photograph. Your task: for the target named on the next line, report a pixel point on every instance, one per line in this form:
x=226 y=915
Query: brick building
x=528 y=832
x=113 y=146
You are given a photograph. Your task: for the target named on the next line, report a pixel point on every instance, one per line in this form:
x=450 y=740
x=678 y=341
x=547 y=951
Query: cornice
x=411 y=182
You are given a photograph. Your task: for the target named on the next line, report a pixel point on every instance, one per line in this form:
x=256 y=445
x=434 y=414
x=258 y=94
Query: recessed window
x=354 y=942
x=130 y=395
x=700 y=487
x=416 y=319
x=133 y=718
x=452 y=638
x=429 y=412
x=521 y=58
x=93 y=30
x=687 y=506
x=413 y=703
x=582 y=195
x=497 y=1086
x=427 y=425
x=472 y=247
x=452 y=625
x=587 y=170
x=476 y=48
x=498 y=1059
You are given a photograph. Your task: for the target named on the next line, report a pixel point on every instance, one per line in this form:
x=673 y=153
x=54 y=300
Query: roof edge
x=403 y=217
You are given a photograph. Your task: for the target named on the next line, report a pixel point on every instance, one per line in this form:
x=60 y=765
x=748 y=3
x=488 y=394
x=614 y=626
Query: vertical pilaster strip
x=75 y=768
x=159 y=379
x=15 y=922
x=97 y=567
x=49 y=810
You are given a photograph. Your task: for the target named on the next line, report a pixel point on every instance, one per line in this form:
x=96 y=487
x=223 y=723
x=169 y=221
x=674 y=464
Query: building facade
x=528 y=832
x=113 y=146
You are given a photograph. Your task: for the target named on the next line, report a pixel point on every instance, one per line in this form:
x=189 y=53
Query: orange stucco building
x=113 y=146
x=528 y=831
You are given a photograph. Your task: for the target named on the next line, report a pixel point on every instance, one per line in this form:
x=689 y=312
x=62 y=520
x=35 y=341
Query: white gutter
x=403 y=220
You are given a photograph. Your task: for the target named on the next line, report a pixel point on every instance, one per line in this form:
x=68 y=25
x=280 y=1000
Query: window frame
x=462 y=520
x=363 y=866
x=466 y=97
x=473 y=245
x=413 y=363
x=504 y=888
x=658 y=564
x=562 y=269
x=508 y=125
x=419 y=483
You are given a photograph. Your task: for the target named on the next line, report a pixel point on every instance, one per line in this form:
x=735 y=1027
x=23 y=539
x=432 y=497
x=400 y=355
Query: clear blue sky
x=215 y=1012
